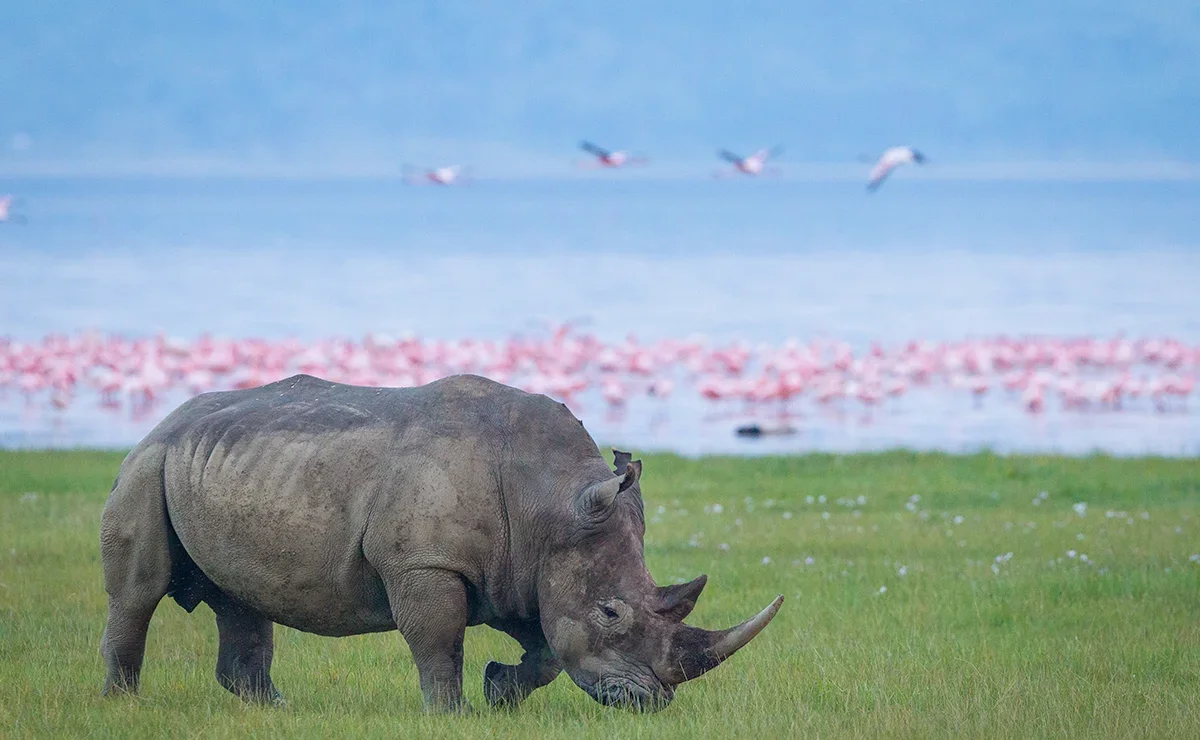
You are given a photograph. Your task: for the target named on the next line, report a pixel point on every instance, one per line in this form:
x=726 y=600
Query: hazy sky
x=347 y=84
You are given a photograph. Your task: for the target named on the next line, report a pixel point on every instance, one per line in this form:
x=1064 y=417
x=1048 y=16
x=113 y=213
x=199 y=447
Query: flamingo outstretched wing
x=879 y=173
x=591 y=148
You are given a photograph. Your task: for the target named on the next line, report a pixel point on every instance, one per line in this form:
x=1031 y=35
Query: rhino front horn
x=698 y=651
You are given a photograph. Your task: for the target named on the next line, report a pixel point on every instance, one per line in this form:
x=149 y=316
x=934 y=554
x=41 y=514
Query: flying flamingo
x=6 y=214
x=753 y=165
x=890 y=160
x=448 y=175
x=607 y=158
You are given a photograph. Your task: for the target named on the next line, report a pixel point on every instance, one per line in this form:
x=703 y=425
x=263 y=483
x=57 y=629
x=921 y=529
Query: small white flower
x=862 y=500
x=1079 y=536
x=723 y=546
x=995 y=569
x=662 y=510
x=1070 y=553
x=767 y=560
x=1145 y=515
x=809 y=560
x=883 y=589
x=902 y=571
x=808 y=499
x=1083 y=558
x=787 y=515
x=958 y=519
x=1080 y=508
x=1195 y=558
x=824 y=514
x=820 y=499
x=717 y=508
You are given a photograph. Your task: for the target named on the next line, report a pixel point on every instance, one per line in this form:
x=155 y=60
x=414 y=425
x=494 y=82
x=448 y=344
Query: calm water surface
x=759 y=261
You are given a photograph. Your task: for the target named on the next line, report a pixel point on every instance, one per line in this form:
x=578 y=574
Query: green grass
x=1048 y=646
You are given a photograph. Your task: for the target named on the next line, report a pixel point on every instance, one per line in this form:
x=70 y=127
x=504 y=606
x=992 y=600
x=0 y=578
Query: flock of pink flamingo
x=1078 y=374
x=752 y=165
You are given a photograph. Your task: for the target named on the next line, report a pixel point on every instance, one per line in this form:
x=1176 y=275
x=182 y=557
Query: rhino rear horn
x=677 y=601
x=597 y=498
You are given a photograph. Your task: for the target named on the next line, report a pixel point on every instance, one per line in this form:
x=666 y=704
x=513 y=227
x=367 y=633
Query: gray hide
x=341 y=510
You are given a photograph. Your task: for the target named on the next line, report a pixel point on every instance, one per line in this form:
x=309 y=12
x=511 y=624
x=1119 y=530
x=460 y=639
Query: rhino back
x=294 y=496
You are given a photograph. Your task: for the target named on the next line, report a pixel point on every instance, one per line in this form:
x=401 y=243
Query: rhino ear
x=676 y=602
x=620 y=460
x=599 y=497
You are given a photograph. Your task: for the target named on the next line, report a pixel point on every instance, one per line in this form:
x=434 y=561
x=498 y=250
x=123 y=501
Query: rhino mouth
x=631 y=695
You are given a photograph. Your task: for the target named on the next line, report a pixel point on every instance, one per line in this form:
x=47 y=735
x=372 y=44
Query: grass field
x=927 y=596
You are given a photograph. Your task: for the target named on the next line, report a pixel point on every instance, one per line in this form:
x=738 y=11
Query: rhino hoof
x=499 y=685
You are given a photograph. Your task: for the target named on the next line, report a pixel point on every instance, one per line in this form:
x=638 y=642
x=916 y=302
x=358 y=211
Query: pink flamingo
x=614 y=393
x=448 y=175
x=609 y=159
x=889 y=161
x=753 y=165
x=1033 y=400
x=6 y=214
x=979 y=386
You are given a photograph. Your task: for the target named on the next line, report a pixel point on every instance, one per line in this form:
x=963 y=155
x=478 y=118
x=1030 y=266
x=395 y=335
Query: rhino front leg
x=247 y=644
x=508 y=685
x=430 y=609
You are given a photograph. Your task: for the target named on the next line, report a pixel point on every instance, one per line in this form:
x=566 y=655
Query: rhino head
x=619 y=636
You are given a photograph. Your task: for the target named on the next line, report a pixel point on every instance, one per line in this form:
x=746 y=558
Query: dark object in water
x=758 y=430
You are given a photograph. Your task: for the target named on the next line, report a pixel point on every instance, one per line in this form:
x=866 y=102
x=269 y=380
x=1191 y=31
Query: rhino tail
x=188 y=586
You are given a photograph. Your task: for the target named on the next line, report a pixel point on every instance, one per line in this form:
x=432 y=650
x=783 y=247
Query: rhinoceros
x=341 y=510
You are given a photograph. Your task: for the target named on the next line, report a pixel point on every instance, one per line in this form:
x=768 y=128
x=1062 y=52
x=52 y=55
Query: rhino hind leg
x=247 y=645
x=135 y=550
x=430 y=609
x=124 y=644
x=509 y=685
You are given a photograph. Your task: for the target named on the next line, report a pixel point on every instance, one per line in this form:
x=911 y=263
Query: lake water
x=760 y=261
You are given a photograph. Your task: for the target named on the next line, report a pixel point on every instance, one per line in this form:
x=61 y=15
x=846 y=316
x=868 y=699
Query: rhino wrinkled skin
x=341 y=510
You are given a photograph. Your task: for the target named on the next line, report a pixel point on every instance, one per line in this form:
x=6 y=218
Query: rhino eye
x=608 y=612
